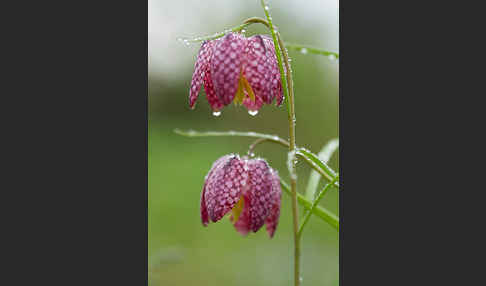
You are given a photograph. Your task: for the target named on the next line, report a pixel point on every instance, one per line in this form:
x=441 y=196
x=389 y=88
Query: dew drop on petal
x=253 y=112
x=303 y=51
x=217 y=113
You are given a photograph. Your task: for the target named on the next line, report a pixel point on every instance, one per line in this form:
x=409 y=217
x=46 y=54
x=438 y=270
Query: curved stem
x=216 y=35
x=193 y=133
x=254 y=144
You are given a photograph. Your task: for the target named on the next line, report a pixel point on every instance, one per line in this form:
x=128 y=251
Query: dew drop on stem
x=217 y=113
x=303 y=51
x=253 y=112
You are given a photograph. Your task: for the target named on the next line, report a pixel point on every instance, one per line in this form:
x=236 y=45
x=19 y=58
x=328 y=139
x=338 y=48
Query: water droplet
x=184 y=41
x=266 y=7
x=332 y=57
x=217 y=113
x=301 y=279
x=253 y=112
x=243 y=31
x=303 y=51
x=252 y=154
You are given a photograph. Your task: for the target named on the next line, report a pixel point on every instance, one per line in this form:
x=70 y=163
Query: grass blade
x=325 y=155
x=304 y=49
x=319 y=211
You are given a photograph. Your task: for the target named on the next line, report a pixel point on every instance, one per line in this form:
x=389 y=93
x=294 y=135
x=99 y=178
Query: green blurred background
x=181 y=250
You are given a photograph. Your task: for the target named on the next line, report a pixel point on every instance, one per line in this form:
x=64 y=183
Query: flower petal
x=214 y=101
x=204 y=210
x=258 y=67
x=200 y=68
x=253 y=105
x=226 y=65
x=276 y=85
x=224 y=186
x=260 y=196
x=272 y=220
x=242 y=225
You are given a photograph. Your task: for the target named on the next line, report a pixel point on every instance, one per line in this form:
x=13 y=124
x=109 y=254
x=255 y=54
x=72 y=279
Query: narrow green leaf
x=314 y=161
x=325 y=155
x=304 y=49
x=319 y=211
x=315 y=203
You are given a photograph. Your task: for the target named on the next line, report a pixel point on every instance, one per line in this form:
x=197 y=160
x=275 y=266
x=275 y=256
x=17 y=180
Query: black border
x=77 y=181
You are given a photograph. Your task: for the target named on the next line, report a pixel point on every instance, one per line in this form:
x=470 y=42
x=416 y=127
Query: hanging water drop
x=303 y=51
x=332 y=57
x=253 y=112
x=216 y=113
x=266 y=7
x=243 y=31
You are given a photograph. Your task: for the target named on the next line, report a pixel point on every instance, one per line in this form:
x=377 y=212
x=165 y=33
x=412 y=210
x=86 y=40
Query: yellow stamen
x=248 y=88
x=240 y=95
x=243 y=85
x=237 y=209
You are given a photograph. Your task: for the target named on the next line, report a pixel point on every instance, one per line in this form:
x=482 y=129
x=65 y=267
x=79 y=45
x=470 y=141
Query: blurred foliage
x=181 y=250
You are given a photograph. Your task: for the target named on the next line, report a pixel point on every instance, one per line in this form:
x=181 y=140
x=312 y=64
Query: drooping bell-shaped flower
x=248 y=188
x=237 y=69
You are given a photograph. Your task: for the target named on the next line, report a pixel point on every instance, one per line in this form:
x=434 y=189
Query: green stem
x=216 y=35
x=289 y=98
x=272 y=138
x=315 y=203
x=254 y=144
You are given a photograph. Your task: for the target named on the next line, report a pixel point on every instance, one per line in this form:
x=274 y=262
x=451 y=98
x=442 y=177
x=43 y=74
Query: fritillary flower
x=248 y=188
x=237 y=69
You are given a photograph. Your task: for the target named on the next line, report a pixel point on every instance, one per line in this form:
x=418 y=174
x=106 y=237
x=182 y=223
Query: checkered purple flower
x=248 y=188
x=237 y=69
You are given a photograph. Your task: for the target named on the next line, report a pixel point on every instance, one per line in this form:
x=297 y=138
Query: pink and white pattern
x=232 y=178
x=222 y=62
